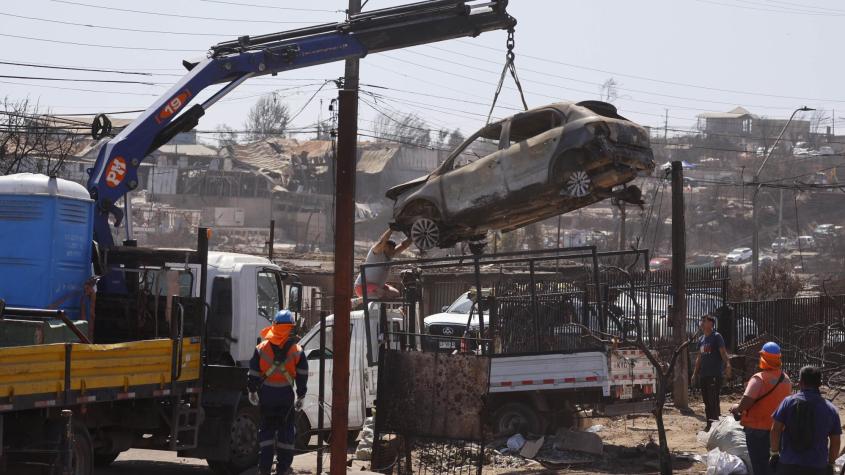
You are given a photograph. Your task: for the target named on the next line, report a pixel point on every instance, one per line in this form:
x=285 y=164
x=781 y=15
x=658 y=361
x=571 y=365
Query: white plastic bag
x=728 y=436
x=723 y=463
x=516 y=442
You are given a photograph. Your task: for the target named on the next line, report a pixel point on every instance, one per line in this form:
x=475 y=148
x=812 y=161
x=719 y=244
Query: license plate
x=447 y=345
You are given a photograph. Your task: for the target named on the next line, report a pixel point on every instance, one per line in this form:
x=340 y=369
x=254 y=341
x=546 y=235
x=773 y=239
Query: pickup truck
x=532 y=392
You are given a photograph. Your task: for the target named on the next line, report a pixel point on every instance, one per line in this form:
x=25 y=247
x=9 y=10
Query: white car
x=806 y=243
x=739 y=255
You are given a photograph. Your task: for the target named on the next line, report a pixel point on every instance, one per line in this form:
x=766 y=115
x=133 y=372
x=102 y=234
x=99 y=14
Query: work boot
x=287 y=471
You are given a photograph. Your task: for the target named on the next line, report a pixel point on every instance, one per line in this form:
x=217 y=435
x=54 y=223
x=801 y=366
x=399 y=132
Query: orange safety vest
x=760 y=414
x=278 y=373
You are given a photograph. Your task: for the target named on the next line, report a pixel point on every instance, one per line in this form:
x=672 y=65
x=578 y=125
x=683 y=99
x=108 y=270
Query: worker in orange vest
x=763 y=395
x=276 y=366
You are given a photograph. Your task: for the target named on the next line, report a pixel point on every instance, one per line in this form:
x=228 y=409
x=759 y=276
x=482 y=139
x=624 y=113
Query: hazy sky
x=687 y=56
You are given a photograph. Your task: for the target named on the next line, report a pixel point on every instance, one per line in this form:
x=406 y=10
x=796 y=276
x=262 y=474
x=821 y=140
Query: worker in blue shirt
x=276 y=366
x=803 y=425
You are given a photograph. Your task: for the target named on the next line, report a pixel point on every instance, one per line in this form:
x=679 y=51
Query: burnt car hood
x=397 y=190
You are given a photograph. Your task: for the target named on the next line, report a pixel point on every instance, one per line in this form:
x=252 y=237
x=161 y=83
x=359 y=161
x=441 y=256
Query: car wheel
x=425 y=233
x=477 y=244
x=567 y=174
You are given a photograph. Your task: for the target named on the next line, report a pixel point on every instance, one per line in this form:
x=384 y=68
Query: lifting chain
x=510 y=66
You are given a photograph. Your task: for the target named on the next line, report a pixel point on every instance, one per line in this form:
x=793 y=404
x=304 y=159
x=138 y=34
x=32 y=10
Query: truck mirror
x=295 y=297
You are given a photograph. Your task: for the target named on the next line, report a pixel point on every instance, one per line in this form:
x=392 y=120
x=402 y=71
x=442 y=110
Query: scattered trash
x=595 y=428
x=364 y=451
x=531 y=447
x=727 y=435
x=588 y=442
x=516 y=442
x=723 y=463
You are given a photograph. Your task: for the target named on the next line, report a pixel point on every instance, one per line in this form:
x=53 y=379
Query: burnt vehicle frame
x=523 y=169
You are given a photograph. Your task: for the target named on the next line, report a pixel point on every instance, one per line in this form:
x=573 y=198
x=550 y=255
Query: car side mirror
x=295 y=297
x=444 y=308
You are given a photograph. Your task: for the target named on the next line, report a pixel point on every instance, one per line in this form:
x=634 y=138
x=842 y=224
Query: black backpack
x=802 y=426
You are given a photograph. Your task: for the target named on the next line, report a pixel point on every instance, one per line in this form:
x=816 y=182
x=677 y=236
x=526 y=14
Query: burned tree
x=269 y=117
x=34 y=142
x=408 y=129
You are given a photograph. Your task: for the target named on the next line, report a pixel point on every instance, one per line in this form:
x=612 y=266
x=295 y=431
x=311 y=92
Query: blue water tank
x=46 y=229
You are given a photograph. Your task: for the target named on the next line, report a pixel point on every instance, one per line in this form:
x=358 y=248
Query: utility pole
x=666 y=128
x=344 y=249
x=680 y=387
x=622 y=215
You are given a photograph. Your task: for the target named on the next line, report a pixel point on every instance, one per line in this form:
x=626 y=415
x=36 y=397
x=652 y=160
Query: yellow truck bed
x=65 y=374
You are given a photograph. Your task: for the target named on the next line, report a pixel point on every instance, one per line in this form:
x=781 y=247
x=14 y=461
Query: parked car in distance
x=824 y=230
x=739 y=255
x=523 y=169
x=660 y=263
x=806 y=242
x=782 y=244
x=824 y=150
x=451 y=324
x=704 y=260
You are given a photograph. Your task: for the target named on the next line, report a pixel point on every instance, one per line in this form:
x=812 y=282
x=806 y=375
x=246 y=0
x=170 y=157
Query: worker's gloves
x=830 y=470
x=774 y=459
x=298 y=404
x=253 y=398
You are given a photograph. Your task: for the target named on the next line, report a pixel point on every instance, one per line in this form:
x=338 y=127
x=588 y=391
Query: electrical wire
x=274 y=7
x=92 y=45
x=113 y=28
x=122 y=93
x=645 y=78
x=109 y=81
x=72 y=68
x=179 y=16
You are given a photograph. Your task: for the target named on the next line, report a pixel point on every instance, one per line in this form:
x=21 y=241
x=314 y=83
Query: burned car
x=523 y=169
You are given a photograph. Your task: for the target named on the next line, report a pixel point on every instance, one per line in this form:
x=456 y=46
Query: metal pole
x=534 y=308
x=780 y=215
x=755 y=238
x=680 y=388
x=321 y=392
x=347 y=145
x=272 y=239
x=479 y=296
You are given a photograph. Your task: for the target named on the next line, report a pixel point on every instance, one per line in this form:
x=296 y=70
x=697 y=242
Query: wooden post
x=680 y=387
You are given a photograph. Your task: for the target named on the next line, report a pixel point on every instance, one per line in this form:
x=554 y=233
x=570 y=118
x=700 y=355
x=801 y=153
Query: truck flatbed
x=69 y=374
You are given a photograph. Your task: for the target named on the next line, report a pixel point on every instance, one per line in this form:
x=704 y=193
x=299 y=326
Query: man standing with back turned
x=804 y=422
x=712 y=365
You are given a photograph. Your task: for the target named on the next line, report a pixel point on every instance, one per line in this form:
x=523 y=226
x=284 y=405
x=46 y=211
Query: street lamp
x=755 y=244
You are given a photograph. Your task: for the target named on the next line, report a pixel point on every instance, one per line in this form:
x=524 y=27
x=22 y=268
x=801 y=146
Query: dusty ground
x=622 y=436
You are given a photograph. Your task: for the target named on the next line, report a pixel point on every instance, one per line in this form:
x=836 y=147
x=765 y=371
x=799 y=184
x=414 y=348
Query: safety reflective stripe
x=276 y=367
x=266 y=443
x=302 y=371
x=279 y=384
x=255 y=373
x=285 y=446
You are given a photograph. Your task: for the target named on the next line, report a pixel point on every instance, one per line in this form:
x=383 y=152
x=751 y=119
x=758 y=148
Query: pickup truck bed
x=584 y=370
x=67 y=374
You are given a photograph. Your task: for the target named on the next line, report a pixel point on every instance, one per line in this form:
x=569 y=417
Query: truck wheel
x=243 y=444
x=82 y=452
x=516 y=417
x=104 y=459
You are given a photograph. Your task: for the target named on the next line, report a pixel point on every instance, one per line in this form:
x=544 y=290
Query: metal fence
x=810 y=330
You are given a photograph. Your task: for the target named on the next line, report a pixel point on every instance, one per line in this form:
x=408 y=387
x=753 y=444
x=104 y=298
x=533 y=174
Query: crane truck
x=168 y=330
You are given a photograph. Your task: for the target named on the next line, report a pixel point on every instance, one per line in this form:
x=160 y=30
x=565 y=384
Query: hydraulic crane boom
x=116 y=170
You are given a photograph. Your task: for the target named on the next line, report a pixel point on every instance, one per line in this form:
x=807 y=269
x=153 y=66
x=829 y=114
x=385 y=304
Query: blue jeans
x=758 y=450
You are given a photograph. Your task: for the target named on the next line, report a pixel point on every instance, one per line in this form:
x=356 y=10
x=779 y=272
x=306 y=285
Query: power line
x=645 y=78
x=772 y=9
x=274 y=7
x=112 y=28
x=92 y=45
x=122 y=93
x=178 y=15
x=70 y=68
x=110 y=81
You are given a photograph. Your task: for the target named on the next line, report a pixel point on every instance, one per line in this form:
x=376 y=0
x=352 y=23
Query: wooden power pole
x=344 y=239
x=680 y=387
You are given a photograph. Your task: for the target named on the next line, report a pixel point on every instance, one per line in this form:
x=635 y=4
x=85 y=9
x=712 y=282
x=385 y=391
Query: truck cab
x=244 y=293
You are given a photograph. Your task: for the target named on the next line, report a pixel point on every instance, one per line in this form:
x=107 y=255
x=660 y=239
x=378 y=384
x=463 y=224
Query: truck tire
x=82 y=452
x=516 y=417
x=104 y=459
x=243 y=444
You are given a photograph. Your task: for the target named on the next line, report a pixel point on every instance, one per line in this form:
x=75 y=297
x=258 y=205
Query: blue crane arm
x=115 y=172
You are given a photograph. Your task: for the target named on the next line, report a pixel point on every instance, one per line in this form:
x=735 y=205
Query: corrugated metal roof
x=193 y=150
x=373 y=160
